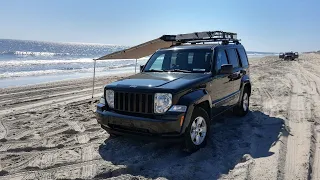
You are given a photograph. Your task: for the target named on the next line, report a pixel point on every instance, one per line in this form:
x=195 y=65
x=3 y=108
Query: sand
x=49 y=131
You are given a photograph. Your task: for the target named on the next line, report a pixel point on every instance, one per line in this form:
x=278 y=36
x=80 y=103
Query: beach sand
x=49 y=131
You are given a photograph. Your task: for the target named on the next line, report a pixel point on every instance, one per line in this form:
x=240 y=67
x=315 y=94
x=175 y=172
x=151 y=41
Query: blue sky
x=273 y=25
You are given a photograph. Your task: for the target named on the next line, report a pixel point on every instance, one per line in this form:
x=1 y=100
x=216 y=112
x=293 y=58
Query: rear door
x=235 y=77
x=244 y=63
x=242 y=55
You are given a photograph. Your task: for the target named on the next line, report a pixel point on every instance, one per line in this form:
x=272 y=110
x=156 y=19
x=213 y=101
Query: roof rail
x=201 y=37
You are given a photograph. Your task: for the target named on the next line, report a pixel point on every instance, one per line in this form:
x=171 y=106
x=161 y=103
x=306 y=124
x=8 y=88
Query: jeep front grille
x=133 y=102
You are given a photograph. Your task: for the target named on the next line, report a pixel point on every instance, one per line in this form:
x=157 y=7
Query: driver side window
x=221 y=59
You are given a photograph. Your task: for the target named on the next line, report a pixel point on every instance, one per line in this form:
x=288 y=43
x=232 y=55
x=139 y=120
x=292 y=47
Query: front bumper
x=160 y=127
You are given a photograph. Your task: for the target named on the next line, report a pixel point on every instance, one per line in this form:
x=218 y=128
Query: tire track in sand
x=89 y=170
x=261 y=166
x=60 y=101
x=315 y=174
x=72 y=171
x=298 y=145
x=3 y=131
x=314 y=163
x=39 y=97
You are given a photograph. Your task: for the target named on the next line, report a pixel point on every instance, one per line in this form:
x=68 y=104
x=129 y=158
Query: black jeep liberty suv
x=180 y=90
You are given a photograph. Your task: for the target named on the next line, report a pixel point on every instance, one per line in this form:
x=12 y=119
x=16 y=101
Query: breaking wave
x=30 y=53
x=16 y=68
x=42 y=62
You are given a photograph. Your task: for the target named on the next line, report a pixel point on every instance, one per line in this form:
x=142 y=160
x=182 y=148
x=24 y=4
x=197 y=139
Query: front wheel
x=243 y=108
x=196 y=133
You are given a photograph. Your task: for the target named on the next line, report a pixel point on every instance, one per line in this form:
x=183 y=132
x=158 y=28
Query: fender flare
x=244 y=81
x=191 y=100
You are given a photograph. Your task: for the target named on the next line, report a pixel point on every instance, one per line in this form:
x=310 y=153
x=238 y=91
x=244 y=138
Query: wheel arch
x=247 y=85
x=206 y=106
x=196 y=98
x=244 y=84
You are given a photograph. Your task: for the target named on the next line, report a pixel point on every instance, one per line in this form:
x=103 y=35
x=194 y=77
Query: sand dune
x=49 y=131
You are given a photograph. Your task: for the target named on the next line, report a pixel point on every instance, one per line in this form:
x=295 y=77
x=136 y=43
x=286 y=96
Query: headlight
x=162 y=102
x=110 y=98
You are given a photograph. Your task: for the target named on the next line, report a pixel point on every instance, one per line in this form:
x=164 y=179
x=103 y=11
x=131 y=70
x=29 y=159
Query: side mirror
x=141 y=67
x=226 y=69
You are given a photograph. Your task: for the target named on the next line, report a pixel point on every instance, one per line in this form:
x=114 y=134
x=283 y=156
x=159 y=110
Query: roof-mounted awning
x=141 y=50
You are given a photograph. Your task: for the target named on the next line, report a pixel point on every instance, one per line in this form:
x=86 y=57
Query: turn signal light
x=181 y=120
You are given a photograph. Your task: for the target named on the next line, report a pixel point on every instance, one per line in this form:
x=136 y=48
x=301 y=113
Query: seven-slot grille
x=133 y=102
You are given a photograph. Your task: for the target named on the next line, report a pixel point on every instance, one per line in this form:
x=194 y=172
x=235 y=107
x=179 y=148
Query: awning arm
x=135 y=68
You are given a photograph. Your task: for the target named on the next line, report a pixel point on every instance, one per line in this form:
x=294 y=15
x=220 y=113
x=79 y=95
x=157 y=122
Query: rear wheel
x=196 y=134
x=243 y=108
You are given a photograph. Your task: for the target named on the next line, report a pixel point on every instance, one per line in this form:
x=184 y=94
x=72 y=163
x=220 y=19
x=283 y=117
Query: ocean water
x=28 y=62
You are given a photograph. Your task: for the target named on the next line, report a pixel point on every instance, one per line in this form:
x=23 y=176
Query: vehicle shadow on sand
x=235 y=140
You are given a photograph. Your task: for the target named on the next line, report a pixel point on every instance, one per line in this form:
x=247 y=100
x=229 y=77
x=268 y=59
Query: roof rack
x=202 y=37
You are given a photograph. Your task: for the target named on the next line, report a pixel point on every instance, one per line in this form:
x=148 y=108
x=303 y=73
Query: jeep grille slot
x=134 y=102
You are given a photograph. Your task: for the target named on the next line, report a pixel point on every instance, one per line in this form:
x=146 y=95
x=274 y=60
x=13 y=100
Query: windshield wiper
x=153 y=70
x=179 y=70
x=169 y=70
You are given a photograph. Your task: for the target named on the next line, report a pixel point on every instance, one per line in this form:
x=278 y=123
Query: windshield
x=187 y=60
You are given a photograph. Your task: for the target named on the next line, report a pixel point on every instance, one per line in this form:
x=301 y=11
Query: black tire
x=240 y=109
x=190 y=145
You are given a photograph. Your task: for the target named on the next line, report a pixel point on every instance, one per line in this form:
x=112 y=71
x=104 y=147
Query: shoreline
x=38 y=80
x=87 y=81
x=25 y=81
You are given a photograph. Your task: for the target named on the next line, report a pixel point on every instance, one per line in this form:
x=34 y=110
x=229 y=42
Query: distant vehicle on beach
x=289 y=55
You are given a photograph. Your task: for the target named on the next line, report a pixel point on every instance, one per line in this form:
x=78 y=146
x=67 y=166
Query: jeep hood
x=156 y=80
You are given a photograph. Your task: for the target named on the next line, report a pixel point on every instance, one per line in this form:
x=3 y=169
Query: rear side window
x=221 y=59
x=233 y=58
x=243 y=57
